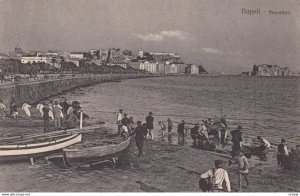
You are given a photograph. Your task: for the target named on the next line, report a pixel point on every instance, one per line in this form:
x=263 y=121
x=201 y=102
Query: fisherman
x=46 y=118
x=243 y=163
x=72 y=119
x=163 y=129
x=218 y=175
x=131 y=125
x=203 y=129
x=125 y=121
x=57 y=115
x=265 y=145
x=149 y=123
x=236 y=141
x=120 y=116
x=195 y=135
x=140 y=135
x=170 y=127
x=14 y=109
x=181 y=132
x=283 y=153
x=65 y=106
x=125 y=131
x=2 y=109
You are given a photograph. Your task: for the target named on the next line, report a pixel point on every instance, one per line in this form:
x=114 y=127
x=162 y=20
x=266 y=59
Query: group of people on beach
x=60 y=112
x=127 y=127
x=205 y=134
x=55 y=111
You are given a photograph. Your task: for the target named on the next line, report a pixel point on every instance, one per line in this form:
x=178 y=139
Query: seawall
x=31 y=92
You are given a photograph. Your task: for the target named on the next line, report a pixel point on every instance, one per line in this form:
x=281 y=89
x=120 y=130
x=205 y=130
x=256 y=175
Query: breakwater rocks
x=34 y=91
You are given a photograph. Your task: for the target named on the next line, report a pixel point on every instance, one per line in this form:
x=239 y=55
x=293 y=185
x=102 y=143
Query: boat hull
x=74 y=157
x=21 y=152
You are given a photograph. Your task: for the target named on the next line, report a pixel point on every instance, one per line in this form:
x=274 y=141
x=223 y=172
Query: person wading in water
x=283 y=153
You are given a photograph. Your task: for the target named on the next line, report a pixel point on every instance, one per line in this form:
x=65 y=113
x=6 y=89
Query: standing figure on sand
x=140 y=135
x=181 y=132
x=170 y=128
x=120 y=116
x=236 y=141
x=149 y=124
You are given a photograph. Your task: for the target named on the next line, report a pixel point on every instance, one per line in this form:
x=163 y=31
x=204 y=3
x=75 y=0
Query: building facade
x=76 y=55
x=36 y=59
x=151 y=67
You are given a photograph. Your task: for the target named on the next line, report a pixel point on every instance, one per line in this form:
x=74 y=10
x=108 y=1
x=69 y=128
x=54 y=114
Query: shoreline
x=163 y=168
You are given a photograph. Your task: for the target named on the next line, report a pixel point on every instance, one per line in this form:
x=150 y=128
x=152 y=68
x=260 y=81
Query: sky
x=213 y=33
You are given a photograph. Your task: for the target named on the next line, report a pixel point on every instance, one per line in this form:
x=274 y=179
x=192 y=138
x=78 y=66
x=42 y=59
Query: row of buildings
x=153 y=62
x=167 y=67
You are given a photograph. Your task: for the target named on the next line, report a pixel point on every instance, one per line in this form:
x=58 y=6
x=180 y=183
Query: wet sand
x=162 y=168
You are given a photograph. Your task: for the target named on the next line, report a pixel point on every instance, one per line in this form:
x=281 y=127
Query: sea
x=264 y=106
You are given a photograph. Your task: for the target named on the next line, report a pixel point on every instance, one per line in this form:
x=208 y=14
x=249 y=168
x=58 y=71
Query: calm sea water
x=266 y=106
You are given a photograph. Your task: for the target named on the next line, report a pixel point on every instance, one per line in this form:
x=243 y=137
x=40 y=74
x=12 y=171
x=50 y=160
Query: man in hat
x=236 y=141
x=218 y=175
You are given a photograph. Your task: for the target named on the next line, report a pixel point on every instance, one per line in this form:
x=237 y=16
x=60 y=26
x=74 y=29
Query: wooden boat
x=89 y=155
x=37 y=145
x=12 y=152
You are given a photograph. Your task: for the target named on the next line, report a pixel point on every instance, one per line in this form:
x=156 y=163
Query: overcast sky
x=213 y=33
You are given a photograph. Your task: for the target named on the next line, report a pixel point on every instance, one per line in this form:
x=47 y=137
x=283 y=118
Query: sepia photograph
x=158 y=96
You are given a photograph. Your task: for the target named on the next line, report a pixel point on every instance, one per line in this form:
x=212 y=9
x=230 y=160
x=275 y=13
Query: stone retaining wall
x=32 y=92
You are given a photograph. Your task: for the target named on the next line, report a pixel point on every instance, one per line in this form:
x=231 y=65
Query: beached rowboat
x=12 y=152
x=37 y=145
x=72 y=157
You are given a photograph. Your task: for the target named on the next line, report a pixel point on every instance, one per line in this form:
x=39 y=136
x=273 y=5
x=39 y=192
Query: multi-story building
x=173 y=69
x=76 y=55
x=181 y=67
x=36 y=59
x=194 y=69
x=161 y=68
x=151 y=67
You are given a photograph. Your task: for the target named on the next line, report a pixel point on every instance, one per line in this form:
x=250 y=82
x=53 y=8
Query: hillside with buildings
x=153 y=62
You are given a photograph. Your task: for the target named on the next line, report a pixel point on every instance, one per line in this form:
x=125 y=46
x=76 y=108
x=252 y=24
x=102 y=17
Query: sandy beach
x=162 y=168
